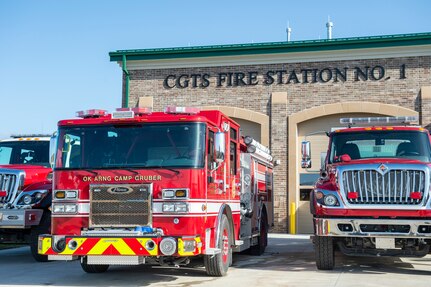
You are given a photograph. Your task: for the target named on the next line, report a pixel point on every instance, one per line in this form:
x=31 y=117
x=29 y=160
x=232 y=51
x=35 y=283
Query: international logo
x=383 y=169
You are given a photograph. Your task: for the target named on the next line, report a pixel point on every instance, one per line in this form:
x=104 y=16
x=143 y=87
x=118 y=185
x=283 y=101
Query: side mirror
x=306 y=154
x=219 y=146
x=52 y=149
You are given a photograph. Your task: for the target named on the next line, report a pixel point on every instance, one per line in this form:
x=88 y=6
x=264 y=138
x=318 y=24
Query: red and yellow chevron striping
x=141 y=246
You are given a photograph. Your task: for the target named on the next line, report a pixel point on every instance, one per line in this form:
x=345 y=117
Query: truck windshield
x=132 y=146
x=381 y=144
x=24 y=152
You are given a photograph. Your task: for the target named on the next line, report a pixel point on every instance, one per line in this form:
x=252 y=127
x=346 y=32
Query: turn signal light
x=416 y=195
x=60 y=194
x=181 y=193
x=352 y=195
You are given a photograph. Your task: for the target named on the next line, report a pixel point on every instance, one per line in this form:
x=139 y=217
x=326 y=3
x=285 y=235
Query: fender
x=225 y=209
x=212 y=249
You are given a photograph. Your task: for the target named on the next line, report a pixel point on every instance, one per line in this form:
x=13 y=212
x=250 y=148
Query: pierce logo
x=120 y=189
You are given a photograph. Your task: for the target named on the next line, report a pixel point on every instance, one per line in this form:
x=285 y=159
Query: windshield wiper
x=90 y=171
x=131 y=170
x=164 y=167
x=171 y=169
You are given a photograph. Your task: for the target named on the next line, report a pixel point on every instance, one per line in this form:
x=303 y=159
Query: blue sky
x=54 y=54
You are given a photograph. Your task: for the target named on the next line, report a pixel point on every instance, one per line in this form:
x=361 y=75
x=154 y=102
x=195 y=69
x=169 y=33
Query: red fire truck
x=25 y=190
x=373 y=194
x=136 y=186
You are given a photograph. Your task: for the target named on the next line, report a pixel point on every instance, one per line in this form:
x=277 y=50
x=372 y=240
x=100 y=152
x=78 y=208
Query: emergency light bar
x=94 y=113
x=378 y=120
x=15 y=136
x=181 y=110
x=129 y=113
x=137 y=111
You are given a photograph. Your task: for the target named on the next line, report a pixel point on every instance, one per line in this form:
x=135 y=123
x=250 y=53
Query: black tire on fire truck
x=44 y=227
x=324 y=250
x=262 y=240
x=218 y=264
x=91 y=268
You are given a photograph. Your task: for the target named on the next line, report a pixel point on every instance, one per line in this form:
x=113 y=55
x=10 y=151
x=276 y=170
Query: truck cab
x=25 y=190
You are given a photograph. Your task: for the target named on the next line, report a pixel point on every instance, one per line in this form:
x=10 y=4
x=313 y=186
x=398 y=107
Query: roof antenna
x=329 y=26
x=288 y=31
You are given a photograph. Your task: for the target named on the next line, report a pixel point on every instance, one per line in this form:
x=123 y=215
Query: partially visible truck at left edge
x=25 y=190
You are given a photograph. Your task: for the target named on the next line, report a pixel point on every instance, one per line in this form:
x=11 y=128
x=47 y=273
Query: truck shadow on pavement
x=297 y=254
x=284 y=254
x=17 y=267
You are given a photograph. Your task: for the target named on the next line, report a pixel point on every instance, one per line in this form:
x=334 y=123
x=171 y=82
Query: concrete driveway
x=289 y=261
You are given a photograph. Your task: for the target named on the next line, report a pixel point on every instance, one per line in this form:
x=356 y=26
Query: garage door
x=319 y=145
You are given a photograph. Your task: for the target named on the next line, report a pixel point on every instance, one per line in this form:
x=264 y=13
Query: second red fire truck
x=136 y=186
x=373 y=195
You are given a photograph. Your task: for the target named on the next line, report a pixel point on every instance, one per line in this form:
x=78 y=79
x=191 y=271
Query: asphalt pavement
x=288 y=261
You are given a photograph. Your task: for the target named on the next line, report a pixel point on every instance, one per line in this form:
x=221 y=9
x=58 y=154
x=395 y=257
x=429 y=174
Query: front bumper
x=20 y=218
x=116 y=246
x=356 y=227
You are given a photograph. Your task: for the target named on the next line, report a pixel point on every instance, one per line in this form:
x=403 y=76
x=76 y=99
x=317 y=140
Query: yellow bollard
x=292 y=228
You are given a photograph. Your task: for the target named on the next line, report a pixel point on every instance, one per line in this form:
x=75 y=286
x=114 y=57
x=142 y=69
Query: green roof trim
x=274 y=47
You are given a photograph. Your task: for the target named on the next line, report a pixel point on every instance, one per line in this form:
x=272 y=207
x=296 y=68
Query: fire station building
x=283 y=91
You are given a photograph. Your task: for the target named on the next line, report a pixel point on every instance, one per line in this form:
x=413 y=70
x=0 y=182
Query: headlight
x=27 y=199
x=180 y=207
x=31 y=197
x=58 y=208
x=168 y=193
x=168 y=207
x=330 y=200
x=69 y=208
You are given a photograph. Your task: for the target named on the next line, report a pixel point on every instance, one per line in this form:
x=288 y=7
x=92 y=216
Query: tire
x=44 y=227
x=324 y=250
x=262 y=241
x=218 y=264
x=91 y=268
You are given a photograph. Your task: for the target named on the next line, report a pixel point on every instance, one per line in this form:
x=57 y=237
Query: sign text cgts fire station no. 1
x=282 y=77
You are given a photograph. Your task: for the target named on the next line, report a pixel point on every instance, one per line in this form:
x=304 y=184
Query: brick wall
x=394 y=87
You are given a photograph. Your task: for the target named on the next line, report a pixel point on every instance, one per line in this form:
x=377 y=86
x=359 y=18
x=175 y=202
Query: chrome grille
x=10 y=181
x=395 y=186
x=120 y=205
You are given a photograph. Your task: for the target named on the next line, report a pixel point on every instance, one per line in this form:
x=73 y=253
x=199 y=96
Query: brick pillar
x=425 y=107
x=278 y=137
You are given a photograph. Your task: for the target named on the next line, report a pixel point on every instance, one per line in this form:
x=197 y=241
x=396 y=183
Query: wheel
x=262 y=241
x=324 y=249
x=44 y=227
x=218 y=264
x=91 y=268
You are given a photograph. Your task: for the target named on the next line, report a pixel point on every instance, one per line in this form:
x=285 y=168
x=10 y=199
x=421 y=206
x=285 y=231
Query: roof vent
x=288 y=31
x=329 y=26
